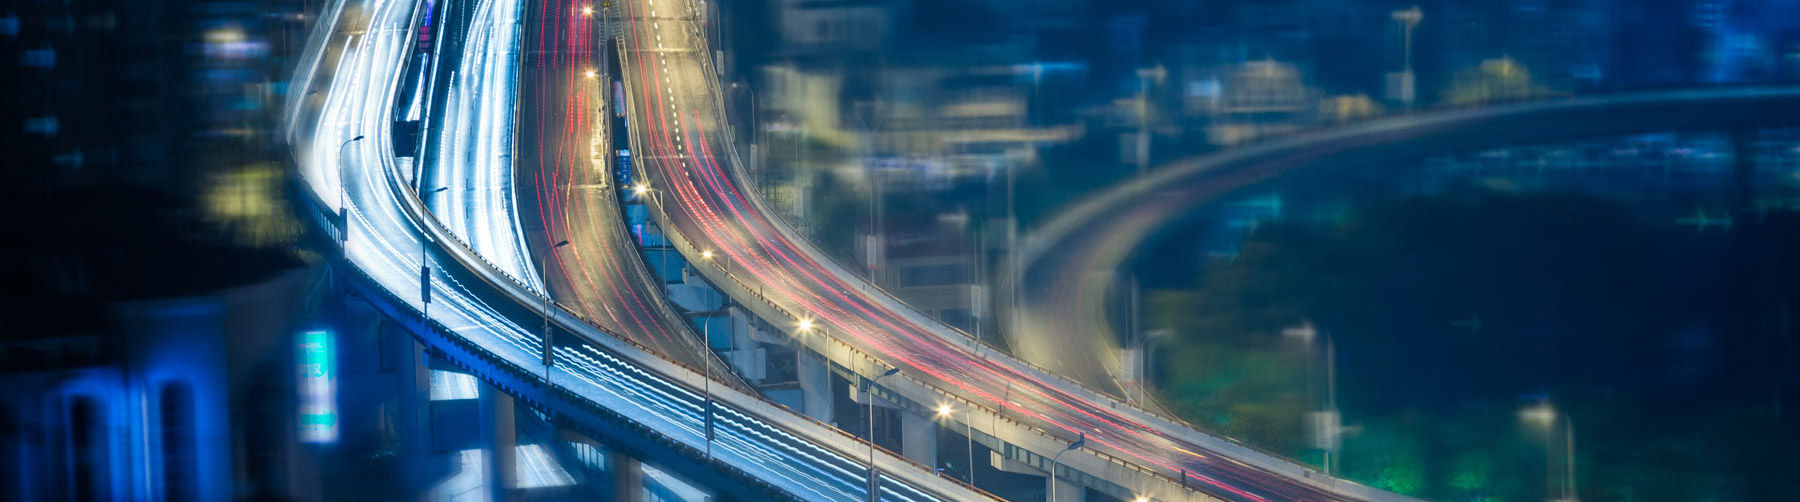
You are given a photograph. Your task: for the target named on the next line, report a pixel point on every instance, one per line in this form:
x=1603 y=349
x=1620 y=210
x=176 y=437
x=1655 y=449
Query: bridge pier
x=1064 y=491
x=817 y=395
x=745 y=355
x=1067 y=490
x=501 y=441
x=919 y=438
x=412 y=373
x=627 y=477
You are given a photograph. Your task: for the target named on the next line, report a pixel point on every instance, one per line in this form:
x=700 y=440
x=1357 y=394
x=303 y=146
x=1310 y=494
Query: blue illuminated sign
x=317 y=387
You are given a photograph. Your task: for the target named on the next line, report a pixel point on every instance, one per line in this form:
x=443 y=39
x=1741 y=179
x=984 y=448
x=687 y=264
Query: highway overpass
x=374 y=227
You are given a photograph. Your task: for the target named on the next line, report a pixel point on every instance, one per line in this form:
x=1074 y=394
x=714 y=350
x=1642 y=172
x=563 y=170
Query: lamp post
x=706 y=343
x=1571 y=495
x=874 y=489
x=1053 y=462
x=1544 y=415
x=968 y=432
x=1408 y=19
x=343 y=186
x=425 y=268
x=543 y=270
x=1326 y=424
x=1143 y=347
x=708 y=256
x=1144 y=76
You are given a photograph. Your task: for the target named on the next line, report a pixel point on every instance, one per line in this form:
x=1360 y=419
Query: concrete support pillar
x=918 y=438
x=816 y=392
x=412 y=420
x=498 y=431
x=1067 y=492
x=745 y=358
x=627 y=477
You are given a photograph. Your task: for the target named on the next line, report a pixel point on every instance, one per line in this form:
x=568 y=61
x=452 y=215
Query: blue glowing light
x=317 y=387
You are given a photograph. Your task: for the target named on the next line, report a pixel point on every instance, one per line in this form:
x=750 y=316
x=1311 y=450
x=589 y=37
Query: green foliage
x=1576 y=297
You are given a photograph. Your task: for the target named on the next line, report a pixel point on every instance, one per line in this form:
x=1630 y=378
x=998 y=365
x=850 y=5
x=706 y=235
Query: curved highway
x=1069 y=261
x=695 y=185
x=341 y=135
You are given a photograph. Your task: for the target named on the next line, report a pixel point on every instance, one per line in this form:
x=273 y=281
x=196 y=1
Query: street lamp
x=1144 y=76
x=1408 y=19
x=874 y=489
x=708 y=256
x=1544 y=415
x=543 y=270
x=1143 y=347
x=1327 y=423
x=425 y=269
x=344 y=210
x=587 y=10
x=968 y=432
x=1072 y=447
x=707 y=354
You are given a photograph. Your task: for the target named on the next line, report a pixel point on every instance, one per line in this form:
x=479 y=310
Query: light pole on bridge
x=1053 y=462
x=1545 y=415
x=343 y=187
x=425 y=268
x=549 y=347
x=968 y=432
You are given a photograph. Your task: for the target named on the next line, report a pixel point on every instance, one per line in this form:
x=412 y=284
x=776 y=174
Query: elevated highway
x=388 y=249
x=695 y=183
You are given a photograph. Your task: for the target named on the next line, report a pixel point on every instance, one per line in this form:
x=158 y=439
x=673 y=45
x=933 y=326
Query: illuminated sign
x=317 y=386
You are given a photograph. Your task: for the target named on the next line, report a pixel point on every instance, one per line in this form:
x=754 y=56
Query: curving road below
x=1069 y=262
